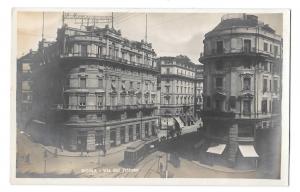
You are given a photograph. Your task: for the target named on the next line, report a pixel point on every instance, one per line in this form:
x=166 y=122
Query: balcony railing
x=110 y=58
x=103 y=108
x=243 y=50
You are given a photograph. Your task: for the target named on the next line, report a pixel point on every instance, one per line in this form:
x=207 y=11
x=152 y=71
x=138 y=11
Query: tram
x=138 y=151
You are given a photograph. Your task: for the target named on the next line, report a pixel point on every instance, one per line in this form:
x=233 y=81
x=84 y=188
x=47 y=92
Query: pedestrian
x=62 y=147
x=104 y=152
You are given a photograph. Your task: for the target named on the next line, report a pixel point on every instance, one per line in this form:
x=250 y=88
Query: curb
x=222 y=170
x=64 y=155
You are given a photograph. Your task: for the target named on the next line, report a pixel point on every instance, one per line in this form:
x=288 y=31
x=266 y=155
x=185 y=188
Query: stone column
x=134 y=132
x=126 y=134
x=143 y=130
x=118 y=138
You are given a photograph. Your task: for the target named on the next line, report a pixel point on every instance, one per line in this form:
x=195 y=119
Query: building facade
x=177 y=86
x=242 y=77
x=198 y=91
x=109 y=92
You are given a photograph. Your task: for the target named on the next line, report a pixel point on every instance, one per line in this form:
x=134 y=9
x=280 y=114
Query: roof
x=240 y=20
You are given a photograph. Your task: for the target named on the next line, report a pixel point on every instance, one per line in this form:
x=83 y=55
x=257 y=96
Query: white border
x=173 y=181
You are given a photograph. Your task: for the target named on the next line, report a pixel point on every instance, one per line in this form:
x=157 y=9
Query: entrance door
x=122 y=135
x=138 y=133
x=81 y=143
x=113 y=137
x=130 y=133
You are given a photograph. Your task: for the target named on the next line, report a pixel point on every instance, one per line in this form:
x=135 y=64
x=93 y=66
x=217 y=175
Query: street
x=110 y=166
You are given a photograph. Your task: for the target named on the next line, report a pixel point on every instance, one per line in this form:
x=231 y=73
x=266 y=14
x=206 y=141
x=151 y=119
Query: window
x=167 y=89
x=81 y=70
x=247 y=83
x=265 y=85
x=113 y=84
x=82 y=82
x=168 y=70
x=275 y=86
x=100 y=83
x=82 y=100
x=138 y=85
x=247 y=45
x=219 y=82
x=219 y=47
x=246 y=107
x=264 y=106
x=265 y=46
x=270 y=85
x=275 y=50
x=271 y=48
x=84 y=50
x=100 y=100
x=122 y=100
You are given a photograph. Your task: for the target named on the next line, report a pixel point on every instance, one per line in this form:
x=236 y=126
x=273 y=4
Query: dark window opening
x=247 y=107
x=247 y=83
x=219 y=82
x=100 y=83
x=265 y=85
x=220 y=48
x=264 y=106
x=82 y=82
x=265 y=46
x=82 y=100
x=247 y=45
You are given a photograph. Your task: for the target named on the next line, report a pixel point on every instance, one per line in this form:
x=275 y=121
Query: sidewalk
x=221 y=168
x=66 y=153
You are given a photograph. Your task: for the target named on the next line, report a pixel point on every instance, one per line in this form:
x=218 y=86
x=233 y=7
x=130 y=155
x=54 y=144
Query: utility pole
x=112 y=19
x=43 y=26
x=146 y=35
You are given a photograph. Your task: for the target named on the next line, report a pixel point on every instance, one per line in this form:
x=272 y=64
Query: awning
x=248 y=151
x=179 y=122
x=216 y=149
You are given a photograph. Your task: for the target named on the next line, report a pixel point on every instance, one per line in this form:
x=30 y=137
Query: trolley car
x=138 y=151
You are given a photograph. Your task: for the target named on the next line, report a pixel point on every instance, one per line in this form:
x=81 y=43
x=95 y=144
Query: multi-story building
x=242 y=77
x=24 y=87
x=109 y=92
x=198 y=90
x=177 y=83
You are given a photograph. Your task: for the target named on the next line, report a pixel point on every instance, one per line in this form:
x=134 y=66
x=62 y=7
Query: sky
x=170 y=33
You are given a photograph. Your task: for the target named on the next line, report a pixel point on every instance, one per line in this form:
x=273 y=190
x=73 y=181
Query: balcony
x=61 y=107
x=244 y=51
x=110 y=58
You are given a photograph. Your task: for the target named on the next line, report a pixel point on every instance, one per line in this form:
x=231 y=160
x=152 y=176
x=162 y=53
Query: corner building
x=242 y=77
x=109 y=94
